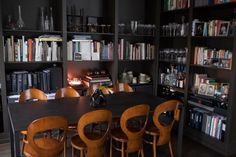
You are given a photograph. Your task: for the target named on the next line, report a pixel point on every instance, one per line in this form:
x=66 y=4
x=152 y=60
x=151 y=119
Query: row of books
x=212 y=28
x=220 y=58
x=19 y=81
x=204 y=85
x=43 y=48
x=176 y=4
x=209 y=123
x=83 y=48
x=135 y=51
x=199 y=3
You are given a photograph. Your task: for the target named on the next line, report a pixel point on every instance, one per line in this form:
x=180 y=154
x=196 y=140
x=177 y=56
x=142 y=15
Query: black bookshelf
x=224 y=11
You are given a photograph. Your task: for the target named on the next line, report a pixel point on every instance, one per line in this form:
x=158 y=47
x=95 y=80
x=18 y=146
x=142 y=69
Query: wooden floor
x=190 y=149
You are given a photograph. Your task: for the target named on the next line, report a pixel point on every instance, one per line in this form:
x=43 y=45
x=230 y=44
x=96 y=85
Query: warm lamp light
x=74 y=81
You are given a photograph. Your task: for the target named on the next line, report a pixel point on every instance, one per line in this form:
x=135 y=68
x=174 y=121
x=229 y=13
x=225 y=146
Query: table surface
x=21 y=115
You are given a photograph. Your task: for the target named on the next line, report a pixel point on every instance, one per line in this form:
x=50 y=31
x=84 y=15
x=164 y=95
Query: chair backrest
x=44 y=124
x=122 y=87
x=95 y=147
x=165 y=130
x=67 y=92
x=93 y=87
x=135 y=138
x=31 y=94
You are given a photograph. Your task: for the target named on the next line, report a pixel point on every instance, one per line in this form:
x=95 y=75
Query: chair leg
x=65 y=147
x=81 y=153
x=154 y=146
x=122 y=149
x=111 y=147
x=171 y=150
x=139 y=153
x=142 y=152
x=127 y=154
x=72 y=152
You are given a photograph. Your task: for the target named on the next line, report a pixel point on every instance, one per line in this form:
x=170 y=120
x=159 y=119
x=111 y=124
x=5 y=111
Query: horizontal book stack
x=103 y=79
x=176 y=4
x=209 y=123
x=135 y=51
x=43 y=48
x=220 y=58
x=19 y=81
x=86 y=49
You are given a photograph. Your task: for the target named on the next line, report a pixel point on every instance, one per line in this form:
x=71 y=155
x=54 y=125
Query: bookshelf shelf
x=172 y=88
x=171 y=62
x=136 y=35
x=141 y=84
x=145 y=60
x=90 y=33
x=204 y=138
x=216 y=6
x=184 y=10
x=90 y=61
x=24 y=31
x=40 y=62
x=174 y=37
x=209 y=67
x=213 y=37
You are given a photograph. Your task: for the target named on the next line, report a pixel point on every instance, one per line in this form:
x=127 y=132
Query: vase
x=42 y=26
x=51 y=20
x=20 y=22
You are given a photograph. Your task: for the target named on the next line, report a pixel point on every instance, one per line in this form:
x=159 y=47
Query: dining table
x=21 y=115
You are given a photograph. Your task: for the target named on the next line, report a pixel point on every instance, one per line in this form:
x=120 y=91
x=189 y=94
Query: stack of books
x=83 y=48
x=199 y=3
x=101 y=79
x=209 y=123
x=43 y=48
x=135 y=51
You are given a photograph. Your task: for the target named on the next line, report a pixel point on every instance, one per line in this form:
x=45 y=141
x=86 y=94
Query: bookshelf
x=118 y=13
x=220 y=109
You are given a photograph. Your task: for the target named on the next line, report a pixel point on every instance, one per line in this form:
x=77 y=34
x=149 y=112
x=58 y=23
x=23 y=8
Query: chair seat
x=119 y=135
x=77 y=142
x=46 y=143
x=151 y=129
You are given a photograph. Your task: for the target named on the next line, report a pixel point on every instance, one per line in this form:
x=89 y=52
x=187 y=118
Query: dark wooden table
x=21 y=115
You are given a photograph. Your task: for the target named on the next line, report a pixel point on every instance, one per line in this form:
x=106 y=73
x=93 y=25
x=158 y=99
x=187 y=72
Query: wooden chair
x=67 y=92
x=92 y=89
x=161 y=133
x=93 y=143
x=39 y=146
x=131 y=138
x=31 y=94
x=27 y=95
x=122 y=87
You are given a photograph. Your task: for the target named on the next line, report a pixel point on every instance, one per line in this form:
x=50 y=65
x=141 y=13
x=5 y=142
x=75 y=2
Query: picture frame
x=199 y=28
x=223 y=28
x=210 y=90
x=202 y=89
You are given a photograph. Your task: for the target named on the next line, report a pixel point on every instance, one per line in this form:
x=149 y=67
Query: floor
x=190 y=149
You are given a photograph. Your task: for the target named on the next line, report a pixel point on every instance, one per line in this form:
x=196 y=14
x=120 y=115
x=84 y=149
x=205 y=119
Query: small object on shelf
x=46 y=23
x=20 y=22
x=10 y=23
x=51 y=20
x=42 y=21
x=133 y=26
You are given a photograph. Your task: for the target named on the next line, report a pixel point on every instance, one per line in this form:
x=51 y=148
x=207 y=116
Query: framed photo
x=202 y=89
x=199 y=28
x=210 y=91
x=223 y=28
